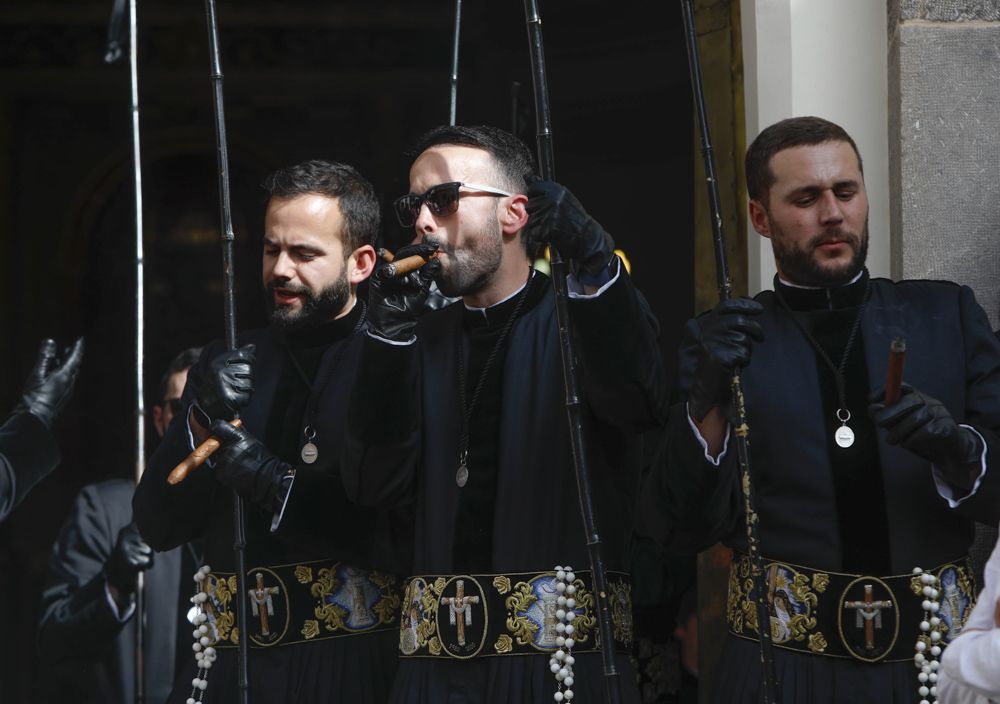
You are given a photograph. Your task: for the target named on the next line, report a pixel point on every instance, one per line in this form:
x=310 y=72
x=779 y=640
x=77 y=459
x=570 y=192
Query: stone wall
x=944 y=123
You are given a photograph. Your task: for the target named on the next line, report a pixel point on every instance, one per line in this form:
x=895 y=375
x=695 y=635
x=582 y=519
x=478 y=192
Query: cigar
x=401 y=267
x=894 y=376
x=384 y=254
x=197 y=457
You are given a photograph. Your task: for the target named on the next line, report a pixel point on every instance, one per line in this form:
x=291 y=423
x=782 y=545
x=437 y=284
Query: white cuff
x=946 y=491
x=386 y=340
x=704 y=444
x=276 y=518
x=121 y=618
x=576 y=290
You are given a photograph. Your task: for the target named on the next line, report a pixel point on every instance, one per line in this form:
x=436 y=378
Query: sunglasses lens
x=407 y=210
x=443 y=199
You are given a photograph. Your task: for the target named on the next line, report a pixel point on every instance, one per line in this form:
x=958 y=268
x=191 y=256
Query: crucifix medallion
x=869 y=615
x=262 y=604
x=460 y=609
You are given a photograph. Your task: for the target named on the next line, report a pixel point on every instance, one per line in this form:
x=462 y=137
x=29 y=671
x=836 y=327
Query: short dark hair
x=793 y=132
x=514 y=161
x=184 y=360
x=358 y=202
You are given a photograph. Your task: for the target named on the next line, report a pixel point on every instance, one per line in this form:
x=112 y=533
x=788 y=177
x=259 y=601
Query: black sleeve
x=76 y=616
x=170 y=515
x=982 y=404
x=622 y=368
x=382 y=446
x=28 y=452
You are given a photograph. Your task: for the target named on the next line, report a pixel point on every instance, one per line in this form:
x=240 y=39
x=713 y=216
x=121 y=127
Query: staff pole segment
x=453 y=109
x=229 y=312
x=112 y=54
x=546 y=165
x=770 y=693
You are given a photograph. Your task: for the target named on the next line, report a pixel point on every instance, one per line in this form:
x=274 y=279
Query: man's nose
x=282 y=268
x=830 y=208
x=425 y=223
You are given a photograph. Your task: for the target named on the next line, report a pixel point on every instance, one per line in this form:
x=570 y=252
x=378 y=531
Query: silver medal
x=462 y=475
x=309 y=453
x=844 y=435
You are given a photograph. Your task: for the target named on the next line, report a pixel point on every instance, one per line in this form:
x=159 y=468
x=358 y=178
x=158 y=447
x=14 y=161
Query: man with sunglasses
x=464 y=414
x=87 y=628
x=321 y=614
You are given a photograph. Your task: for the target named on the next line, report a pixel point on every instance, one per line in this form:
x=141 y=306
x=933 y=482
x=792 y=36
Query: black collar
x=834 y=298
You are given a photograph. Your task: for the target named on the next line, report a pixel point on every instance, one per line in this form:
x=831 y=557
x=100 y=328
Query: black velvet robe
x=319 y=523
x=952 y=355
x=407 y=445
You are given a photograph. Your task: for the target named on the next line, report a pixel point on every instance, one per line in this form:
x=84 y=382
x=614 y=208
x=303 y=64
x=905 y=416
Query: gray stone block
x=947 y=220
x=949 y=10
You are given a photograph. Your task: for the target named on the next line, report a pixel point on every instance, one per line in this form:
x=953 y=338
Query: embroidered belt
x=872 y=619
x=467 y=616
x=302 y=603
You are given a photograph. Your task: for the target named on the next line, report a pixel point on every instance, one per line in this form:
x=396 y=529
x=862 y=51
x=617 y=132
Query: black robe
x=28 y=452
x=88 y=655
x=318 y=523
x=409 y=447
x=803 y=499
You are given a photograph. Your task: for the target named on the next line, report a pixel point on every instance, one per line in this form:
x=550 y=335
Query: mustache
x=442 y=246
x=283 y=284
x=835 y=235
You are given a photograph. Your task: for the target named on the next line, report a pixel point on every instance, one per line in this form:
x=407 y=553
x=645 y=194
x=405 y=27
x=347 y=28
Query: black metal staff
x=454 y=63
x=229 y=312
x=112 y=54
x=546 y=167
x=742 y=432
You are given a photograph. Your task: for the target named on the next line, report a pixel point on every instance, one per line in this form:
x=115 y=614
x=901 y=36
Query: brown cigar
x=894 y=376
x=384 y=254
x=401 y=267
x=197 y=457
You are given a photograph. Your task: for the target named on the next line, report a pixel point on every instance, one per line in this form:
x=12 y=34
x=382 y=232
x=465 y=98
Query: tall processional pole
x=571 y=383
x=229 y=313
x=113 y=53
x=453 y=102
x=770 y=691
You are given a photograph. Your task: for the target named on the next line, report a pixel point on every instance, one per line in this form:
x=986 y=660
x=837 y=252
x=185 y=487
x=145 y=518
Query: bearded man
x=464 y=414
x=323 y=610
x=853 y=491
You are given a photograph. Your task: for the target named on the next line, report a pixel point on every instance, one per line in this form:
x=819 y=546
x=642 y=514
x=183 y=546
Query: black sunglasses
x=441 y=199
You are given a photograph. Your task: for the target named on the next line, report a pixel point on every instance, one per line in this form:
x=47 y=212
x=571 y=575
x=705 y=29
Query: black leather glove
x=725 y=339
x=555 y=216
x=394 y=304
x=244 y=464
x=129 y=557
x=50 y=384
x=228 y=384
x=924 y=426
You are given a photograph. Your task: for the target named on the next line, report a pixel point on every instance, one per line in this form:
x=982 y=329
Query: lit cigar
x=401 y=267
x=894 y=376
x=384 y=254
x=197 y=457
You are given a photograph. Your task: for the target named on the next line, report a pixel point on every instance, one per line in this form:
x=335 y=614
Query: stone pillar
x=944 y=143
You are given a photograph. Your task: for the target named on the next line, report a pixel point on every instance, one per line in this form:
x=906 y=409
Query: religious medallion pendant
x=462 y=475
x=309 y=453
x=844 y=436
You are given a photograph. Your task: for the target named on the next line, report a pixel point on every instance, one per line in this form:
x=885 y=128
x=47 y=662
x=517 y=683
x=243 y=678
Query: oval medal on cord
x=310 y=453
x=844 y=435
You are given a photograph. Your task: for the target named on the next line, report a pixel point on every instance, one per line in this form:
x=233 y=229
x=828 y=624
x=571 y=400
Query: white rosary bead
x=935 y=636
x=923 y=677
x=554 y=667
x=560 y=614
x=568 y=681
x=196 y=647
x=924 y=691
x=560 y=655
x=935 y=620
x=926 y=605
x=558 y=696
x=935 y=650
x=917 y=570
x=569 y=694
x=570 y=589
x=562 y=674
x=570 y=660
x=932 y=677
x=210 y=652
x=925 y=626
x=560 y=587
x=570 y=577
x=921 y=646
x=191 y=700
x=569 y=630
x=560 y=575
x=571 y=603
x=560 y=628
x=203 y=685
x=569 y=644
x=560 y=641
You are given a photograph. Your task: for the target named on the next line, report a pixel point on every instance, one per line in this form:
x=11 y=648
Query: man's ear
x=513 y=214
x=360 y=264
x=759 y=218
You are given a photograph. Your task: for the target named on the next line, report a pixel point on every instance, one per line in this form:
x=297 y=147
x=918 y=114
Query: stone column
x=944 y=143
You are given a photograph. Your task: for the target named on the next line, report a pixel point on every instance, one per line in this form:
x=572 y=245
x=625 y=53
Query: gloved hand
x=50 y=385
x=129 y=557
x=924 y=426
x=244 y=464
x=555 y=216
x=725 y=339
x=394 y=304
x=228 y=384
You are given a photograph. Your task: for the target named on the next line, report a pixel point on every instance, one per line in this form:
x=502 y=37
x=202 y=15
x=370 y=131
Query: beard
x=316 y=308
x=801 y=266
x=472 y=267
